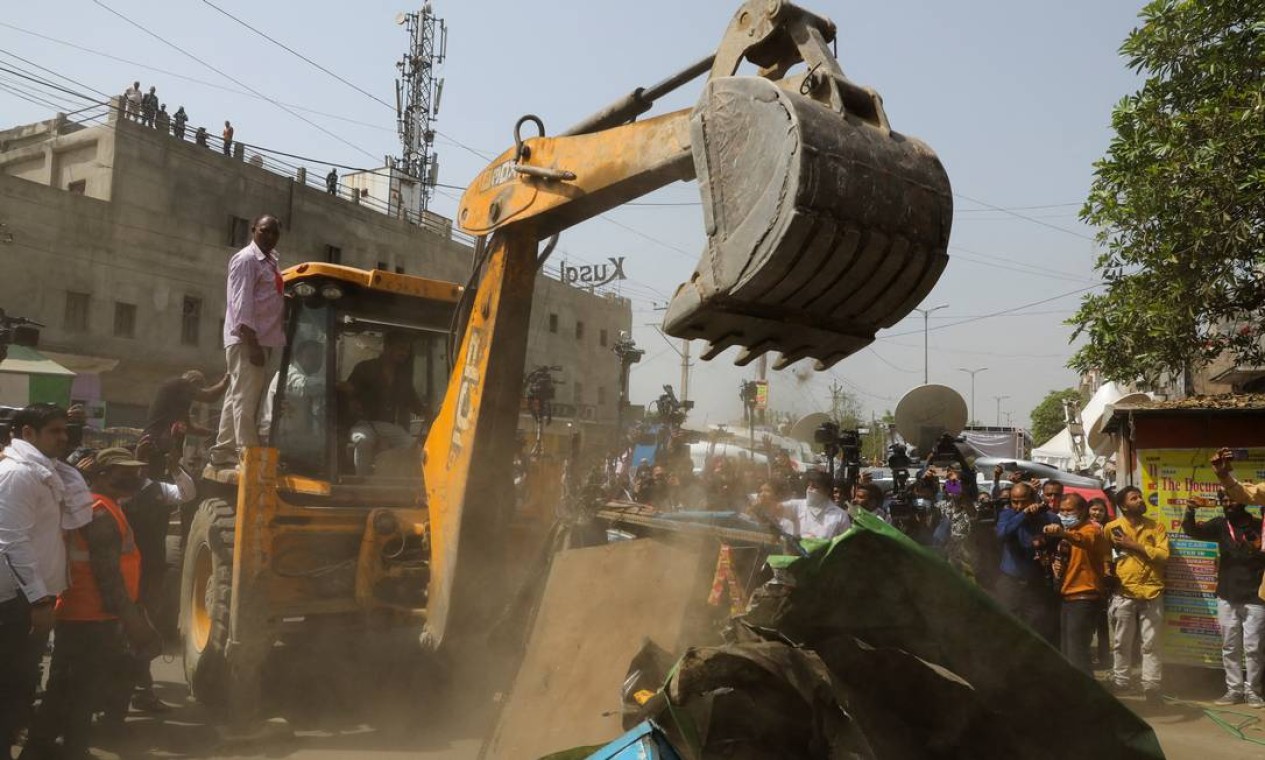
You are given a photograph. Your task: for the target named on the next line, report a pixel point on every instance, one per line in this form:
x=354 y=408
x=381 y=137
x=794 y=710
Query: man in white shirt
x=40 y=497
x=815 y=515
x=132 y=101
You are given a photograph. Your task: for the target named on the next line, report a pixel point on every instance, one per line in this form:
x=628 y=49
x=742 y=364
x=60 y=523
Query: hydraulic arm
x=823 y=226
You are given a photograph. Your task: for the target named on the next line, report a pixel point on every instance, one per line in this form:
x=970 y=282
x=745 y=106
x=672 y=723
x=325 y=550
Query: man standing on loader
x=253 y=329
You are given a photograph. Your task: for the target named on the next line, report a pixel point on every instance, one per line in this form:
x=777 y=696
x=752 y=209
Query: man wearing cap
x=253 y=332
x=97 y=618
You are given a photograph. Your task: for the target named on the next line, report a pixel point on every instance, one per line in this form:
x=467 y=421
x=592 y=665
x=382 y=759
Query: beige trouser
x=239 y=426
x=1127 y=617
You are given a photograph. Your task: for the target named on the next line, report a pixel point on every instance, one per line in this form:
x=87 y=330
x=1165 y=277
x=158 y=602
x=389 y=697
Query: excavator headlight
x=331 y=292
x=304 y=289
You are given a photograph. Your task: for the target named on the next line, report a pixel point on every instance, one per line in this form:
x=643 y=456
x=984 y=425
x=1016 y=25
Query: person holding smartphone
x=1142 y=551
x=1242 y=493
x=1240 y=611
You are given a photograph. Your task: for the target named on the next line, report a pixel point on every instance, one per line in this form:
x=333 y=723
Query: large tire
x=206 y=587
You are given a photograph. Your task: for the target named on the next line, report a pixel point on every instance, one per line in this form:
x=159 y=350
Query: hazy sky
x=1014 y=96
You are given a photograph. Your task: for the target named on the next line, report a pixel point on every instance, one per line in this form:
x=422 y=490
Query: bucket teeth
x=718 y=347
x=753 y=352
x=790 y=357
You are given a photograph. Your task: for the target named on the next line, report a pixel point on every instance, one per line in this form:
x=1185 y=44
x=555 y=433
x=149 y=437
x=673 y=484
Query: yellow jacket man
x=1140 y=545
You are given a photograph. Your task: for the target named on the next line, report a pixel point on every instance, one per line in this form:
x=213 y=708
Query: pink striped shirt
x=254 y=299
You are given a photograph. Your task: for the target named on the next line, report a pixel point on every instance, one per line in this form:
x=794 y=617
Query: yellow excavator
x=823 y=226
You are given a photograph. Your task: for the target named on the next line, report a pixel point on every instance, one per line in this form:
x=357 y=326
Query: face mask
x=816 y=499
x=953 y=488
x=1069 y=521
x=922 y=504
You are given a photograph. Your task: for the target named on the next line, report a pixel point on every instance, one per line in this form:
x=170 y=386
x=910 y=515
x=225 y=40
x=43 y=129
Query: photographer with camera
x=1024 y=586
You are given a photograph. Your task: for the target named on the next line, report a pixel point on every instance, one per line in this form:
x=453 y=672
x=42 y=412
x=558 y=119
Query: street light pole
x=926 y=372
x=999 y=400
x=972 y=372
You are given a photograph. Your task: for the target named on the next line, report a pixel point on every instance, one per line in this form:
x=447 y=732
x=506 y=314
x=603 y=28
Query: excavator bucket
x=823 y=225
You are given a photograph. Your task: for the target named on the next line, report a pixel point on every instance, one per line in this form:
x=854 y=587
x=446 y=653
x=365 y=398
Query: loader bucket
x=822 y=228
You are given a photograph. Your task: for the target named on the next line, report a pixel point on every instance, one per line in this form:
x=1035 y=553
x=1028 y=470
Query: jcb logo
x=463 y=417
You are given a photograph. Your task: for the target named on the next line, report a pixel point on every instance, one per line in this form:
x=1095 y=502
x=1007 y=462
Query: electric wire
x=1004 y=312
x=29 y=62
x=1025 y=217
x=342 y=79
x=233 y=79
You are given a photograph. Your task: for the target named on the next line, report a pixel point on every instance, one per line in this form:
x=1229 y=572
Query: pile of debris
x=868 y=647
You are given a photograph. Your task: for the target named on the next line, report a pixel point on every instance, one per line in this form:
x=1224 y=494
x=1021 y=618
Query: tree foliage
x=1179 y=197
x=1047 y=416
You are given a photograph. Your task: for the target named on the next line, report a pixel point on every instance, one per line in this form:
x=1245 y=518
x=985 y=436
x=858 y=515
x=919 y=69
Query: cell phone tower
x=417 y=94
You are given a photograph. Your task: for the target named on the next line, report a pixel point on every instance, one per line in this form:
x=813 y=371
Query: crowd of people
x=1088 y=576
x=83 y=539
x=144 y=108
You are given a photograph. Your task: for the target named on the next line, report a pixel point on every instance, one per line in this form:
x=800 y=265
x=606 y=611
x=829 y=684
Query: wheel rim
x=202 y=597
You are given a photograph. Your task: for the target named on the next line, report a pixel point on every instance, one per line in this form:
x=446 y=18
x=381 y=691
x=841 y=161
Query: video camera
x=844 y=444
x=898 y=462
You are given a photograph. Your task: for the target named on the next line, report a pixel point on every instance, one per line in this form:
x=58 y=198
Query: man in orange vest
x=97 y=618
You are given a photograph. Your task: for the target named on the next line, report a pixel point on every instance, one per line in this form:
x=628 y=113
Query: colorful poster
x=1168 y=478
x=761 y=395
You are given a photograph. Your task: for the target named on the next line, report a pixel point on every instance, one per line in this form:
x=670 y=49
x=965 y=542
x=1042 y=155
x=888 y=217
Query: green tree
x=1180 y=198
x=1048 y=418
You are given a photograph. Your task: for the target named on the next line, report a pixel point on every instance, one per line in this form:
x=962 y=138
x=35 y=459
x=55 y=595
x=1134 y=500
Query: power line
x=345 y=81
x=51 y=100
x=30 y=98
x=195 y=80
x=1018 y=215
x=1001 y=313
x=50 y=71
x=229 y=77
x=879 y=356
x=46 y=83
x=1017 y=208
x=296 y=53
x=1019 y=268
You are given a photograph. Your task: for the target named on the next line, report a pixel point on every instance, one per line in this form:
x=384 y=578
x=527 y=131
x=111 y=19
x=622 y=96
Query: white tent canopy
x=1057 y=452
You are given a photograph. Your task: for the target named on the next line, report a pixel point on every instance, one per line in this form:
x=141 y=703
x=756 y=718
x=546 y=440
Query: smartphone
x=1118 y=532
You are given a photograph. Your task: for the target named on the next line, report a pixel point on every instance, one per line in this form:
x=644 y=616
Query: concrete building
x=117 y=237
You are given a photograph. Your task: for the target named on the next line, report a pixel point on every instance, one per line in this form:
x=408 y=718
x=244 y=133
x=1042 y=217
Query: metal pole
x=926 y=314
x=972 y=372
x=999 y=400
x=685 y=371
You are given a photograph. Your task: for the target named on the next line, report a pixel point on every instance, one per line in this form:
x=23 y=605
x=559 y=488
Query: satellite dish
x=928 y=412
x=400 y=18
x=1099 y=441
x=803 y=429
